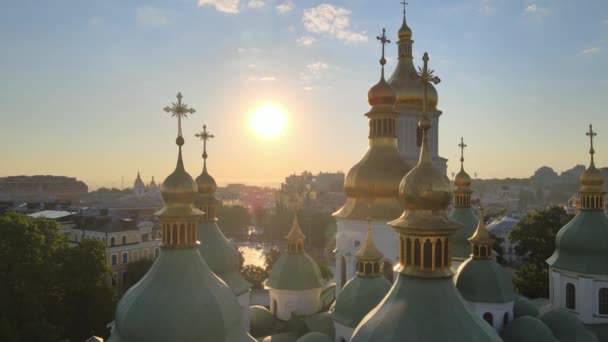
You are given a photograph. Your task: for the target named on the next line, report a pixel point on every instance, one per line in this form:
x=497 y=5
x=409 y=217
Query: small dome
x=566 y=327
x=358 y=297
x=262 y=321
x=485 y=281
x=295 y=272
x=462 y=179
x=314 y=337
x=205 y=183
x=410 y=93
x=405 y=32
x=178 y=187
x=381 y=94
x=528 y=329
x=524 y=307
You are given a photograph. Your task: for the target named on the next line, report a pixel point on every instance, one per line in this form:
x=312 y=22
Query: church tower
x=139 y=188
x=219 y=253
x=578 y=269
x=372 y=185
x=410 y=95
x=179 y=299
x=423 y=304
x=462 y=213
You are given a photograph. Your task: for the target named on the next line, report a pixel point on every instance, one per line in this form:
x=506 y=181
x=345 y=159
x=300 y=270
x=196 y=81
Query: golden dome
x=369 y=251
x=462 y=179
x=178 y=188
x=482 y=235
x=381 y=94
x=405 y=32
x=425 y=187
x=205 y=183
x=410 y=93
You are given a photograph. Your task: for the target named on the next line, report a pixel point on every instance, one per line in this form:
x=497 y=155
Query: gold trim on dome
x=481 y=241
x=592 y=194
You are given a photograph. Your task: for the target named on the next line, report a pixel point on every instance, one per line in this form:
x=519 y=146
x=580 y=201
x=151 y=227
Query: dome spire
x=592 y=181
x=481 y=240
x=383 y=40
x=206 y=200
x=405 y=33
x=426 y=76
x=462 y=198
x=204 y=136
x=295 y=237
x=462 y=146
x=369 y=257
x=179 y=110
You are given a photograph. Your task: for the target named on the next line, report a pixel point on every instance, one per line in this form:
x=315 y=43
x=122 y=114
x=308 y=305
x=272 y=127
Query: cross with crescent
x=179 y=110
x=426 y=76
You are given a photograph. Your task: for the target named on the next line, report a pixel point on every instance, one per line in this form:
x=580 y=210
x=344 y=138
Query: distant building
x=41 y=189
x=323 y=192
x=126 y=241
x=545 y=175
x=501 y=228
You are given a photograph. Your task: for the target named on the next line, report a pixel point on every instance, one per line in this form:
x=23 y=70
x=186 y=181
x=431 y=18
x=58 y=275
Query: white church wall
x=499 y=311
x=305 y=302
x=586 y=294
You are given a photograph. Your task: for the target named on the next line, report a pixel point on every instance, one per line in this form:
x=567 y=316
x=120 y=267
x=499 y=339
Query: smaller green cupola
x=481 y=241
x=295 y=237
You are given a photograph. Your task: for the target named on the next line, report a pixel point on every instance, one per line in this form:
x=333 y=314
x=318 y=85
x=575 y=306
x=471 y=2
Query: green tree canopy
x=137 y=270
x=50 y=291
x=234 y=221
x=256 y=275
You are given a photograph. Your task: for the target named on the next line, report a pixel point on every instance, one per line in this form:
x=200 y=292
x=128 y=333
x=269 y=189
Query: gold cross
x=204 y=136
x=426 y=76
x=404 y=5
x=462 y=146
x=383 y=40
x=180 y=110
x=591 y=134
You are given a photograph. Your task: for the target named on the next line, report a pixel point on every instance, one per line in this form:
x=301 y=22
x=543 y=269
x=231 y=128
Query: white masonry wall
x=305 y=302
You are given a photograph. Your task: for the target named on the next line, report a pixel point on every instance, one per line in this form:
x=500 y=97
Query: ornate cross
x=462 y=146
x=591 y=134
x=383 y=40
x=426 y=76
x=180 y=110
x=205 y=136
x=404 y=5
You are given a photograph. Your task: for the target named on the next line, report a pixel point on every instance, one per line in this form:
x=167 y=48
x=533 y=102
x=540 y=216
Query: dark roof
x=107 y=224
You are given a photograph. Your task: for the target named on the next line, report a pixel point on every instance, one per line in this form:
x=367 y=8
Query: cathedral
x=407 y=269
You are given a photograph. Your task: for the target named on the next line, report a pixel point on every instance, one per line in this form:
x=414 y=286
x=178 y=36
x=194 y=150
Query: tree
x=532 y=281
x=534 y=239
x=270 y=258
x=534 y=236
x=137 y=270
x=234 y=221
x=256 y=275
x=50 y=291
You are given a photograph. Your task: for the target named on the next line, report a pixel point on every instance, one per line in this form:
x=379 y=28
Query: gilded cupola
x=462 y=181
x=369 y=258
x=424 y=227
x=410 y=93
x=375 y=179
x=205 y=199
x=481 y=241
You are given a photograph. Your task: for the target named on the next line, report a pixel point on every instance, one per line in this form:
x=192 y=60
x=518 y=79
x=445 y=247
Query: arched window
x=438 y=250
x=124 y=239
x=342 y=271
x=428 y=254
x=603 y=301
x=488 y=318
x=388 y=271
x=174 y=235
x=505 y=319
x=408 y=251
x=112 y=241
x=182 y=234
x=368 y=268
x=570 y=296
x=483 y=251
x=417 y=252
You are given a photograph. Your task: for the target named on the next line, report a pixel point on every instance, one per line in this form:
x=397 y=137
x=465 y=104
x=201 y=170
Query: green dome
x=262 y=321
x=179 y=299
x=527 y=329
x=295 y=272
x=221 y=256
x=524 y=307
x=282 y=337
x=315 y=337
x=566 y=327
x=484 y=281
x=582 y=244
x=422 y=309
x=358 y=297
x=461 y=248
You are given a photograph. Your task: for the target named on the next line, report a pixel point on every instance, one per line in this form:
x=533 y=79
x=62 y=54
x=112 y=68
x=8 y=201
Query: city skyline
x=70 y=114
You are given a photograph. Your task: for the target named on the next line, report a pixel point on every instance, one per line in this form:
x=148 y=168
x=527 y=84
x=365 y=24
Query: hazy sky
x=83 y=83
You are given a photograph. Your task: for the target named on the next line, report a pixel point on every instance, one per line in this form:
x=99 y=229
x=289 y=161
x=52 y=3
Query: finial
x=426 y=76
x=179 y=110
x=404 y=6
x=591 y=134
x=204 y=136
x=462 y=146
x=383 y=40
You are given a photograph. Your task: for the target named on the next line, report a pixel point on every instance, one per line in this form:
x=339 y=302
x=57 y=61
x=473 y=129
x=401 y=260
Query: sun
x=268 y=121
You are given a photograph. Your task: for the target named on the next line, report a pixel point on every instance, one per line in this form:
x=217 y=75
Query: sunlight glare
x=268 y=121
